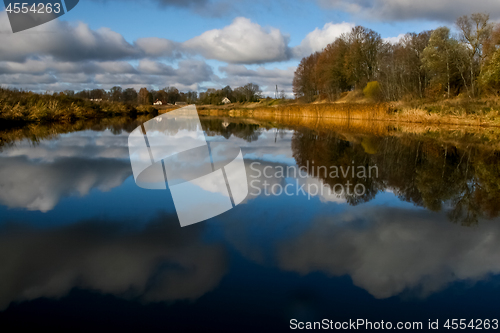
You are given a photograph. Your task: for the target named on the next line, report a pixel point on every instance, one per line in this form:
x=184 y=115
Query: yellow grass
x=360 y=111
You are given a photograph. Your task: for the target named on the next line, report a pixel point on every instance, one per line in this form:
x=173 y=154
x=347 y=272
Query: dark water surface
x=82 y=247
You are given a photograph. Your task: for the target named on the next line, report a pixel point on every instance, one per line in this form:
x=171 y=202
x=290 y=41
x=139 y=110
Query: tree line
x=431 y=64
x=170 y=95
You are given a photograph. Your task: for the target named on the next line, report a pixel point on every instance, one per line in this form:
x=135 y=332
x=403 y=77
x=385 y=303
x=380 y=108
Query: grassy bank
x=454 y=112
x=18 y=106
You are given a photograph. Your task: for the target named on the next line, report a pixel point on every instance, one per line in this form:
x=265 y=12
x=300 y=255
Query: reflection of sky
x=85 y=144
x=377 y=254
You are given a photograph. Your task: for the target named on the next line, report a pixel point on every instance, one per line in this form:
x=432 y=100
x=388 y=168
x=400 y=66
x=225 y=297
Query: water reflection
x=393 y=240
x=35 y=185
x=439 y=172
x=205 y=179
x=387 y=251
x=161 y=262
x=463 y=180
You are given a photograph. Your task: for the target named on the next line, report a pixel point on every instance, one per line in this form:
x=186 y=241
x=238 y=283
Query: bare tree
x=474 y=31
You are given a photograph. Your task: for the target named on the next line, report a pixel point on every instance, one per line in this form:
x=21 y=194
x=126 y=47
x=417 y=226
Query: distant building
x=225 y=124
x=96 y=100
x=158 y=102
x=181 y=103
x=226 y=101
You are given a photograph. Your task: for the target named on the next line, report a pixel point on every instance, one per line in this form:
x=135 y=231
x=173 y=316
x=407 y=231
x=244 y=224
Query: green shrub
x=373 y=91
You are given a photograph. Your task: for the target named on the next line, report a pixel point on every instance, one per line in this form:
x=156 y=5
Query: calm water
x=82 y=246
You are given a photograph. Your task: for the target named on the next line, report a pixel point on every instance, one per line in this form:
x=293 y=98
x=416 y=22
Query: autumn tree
x=474 y=32
x=490 y=74
x=116 y=94
x=129 y=95
x=437 y=57
x=305 y=81
x=332 y=79
x=144 y=97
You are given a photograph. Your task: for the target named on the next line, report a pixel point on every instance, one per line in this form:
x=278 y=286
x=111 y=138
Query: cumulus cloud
x=63 y=41
x=318 y=39
x=238 y=75
x=402 y=10
x=394 y=40
x=214 y=8
x=188 y=74
x=243 y=41
x=157 y=47
x=48 y=73
x=61 y=55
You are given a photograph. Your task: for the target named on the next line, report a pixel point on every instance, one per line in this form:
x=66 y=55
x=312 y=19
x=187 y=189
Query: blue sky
x=198 y=44
x=136 y=20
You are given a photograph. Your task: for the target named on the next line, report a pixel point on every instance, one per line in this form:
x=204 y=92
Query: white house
x=158 y=102
x=226 y=100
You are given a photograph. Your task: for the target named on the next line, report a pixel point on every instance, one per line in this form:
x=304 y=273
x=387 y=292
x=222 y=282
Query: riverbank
x=455 y=112
x=28 y=107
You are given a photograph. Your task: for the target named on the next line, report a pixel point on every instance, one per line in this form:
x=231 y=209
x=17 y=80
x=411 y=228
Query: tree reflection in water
x=433 y=174
x=457 y=173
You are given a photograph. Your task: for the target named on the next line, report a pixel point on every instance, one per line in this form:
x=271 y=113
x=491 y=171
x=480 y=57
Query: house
x=226 y=100
x=225 y=124
x=158 y=102
x=181 y=103
x=96 y=99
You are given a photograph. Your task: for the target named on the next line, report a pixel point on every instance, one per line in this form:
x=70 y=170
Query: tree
x=362 y=58
x=191 y=97
x=173 y=95
x=144 y=97
x=437 y=56
x=490 y=74
x=252 y=92
x=332 y=79
x=228 y=92
x=305 y=81
x=474 y=32
x=116 y=94
x=97 y=94
x=129 y=95
x=490 y=77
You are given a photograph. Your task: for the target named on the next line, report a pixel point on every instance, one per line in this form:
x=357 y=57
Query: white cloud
x=320 y=38
x=157 y=47
x=403 y=10
x=49 y=74
x=394 y=40
x=61 y=55
x=238 y=75
x=63 y=41
x=243 y=41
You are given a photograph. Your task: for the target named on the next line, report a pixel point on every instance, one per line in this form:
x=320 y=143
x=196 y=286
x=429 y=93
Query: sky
x=201 y=44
